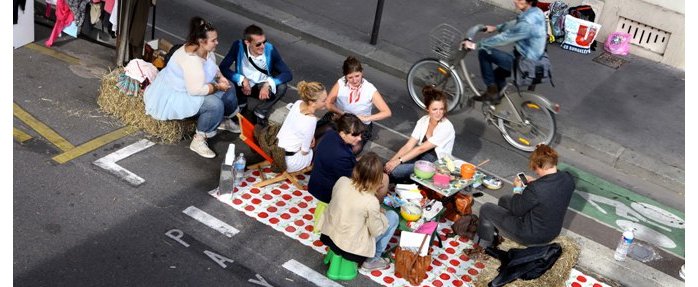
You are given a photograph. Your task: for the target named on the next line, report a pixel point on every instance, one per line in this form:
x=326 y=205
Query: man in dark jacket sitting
x=534 y=214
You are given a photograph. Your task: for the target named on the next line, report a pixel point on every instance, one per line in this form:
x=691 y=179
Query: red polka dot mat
x=290 y=211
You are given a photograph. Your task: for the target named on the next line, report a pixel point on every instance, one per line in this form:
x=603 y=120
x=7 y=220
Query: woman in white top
x=354 y=94
x=192 y=85
x=296 y=135
x=432 y=137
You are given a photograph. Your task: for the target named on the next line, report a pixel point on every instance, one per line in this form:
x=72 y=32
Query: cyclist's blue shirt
x=528 y=32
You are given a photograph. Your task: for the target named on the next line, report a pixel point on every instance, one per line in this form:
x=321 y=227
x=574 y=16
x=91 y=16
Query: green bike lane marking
x=614 y=205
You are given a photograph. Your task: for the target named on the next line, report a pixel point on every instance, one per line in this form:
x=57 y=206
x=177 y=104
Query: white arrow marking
x=260 y=281
x=310 y=274
x=210 y=221
x=109 y=162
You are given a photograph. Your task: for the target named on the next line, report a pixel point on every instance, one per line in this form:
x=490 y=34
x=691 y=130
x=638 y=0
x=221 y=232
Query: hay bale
x=131 y=111
x=555 y=276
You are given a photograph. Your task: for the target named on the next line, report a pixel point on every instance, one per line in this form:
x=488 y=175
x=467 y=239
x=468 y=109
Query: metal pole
x=377 y=22
x=152 y=28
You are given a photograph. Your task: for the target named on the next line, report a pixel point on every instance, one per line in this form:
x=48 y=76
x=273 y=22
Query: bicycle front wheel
x=431 y=72
x=538 y=126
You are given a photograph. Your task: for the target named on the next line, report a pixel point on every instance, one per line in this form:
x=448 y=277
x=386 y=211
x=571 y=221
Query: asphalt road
x=76 y=225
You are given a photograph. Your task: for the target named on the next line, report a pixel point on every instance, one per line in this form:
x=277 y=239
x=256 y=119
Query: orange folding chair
x=247 y=136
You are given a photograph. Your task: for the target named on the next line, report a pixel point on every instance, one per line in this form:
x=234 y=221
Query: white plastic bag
x=579 y=34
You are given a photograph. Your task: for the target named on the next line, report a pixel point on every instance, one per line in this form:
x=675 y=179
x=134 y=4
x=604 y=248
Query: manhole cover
x=609 y=60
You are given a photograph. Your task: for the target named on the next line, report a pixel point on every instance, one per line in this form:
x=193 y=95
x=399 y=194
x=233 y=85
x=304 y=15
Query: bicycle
x=524 y=121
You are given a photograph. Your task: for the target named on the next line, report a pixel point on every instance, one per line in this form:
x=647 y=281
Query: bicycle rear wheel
x=538 y=127
x=434 y=73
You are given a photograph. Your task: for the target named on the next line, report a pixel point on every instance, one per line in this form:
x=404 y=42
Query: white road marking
x=210 y=221
x=310 y=274
x=259 y=281
x=109 y=162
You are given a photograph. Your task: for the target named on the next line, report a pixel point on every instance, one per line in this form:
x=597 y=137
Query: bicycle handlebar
x=474 y=30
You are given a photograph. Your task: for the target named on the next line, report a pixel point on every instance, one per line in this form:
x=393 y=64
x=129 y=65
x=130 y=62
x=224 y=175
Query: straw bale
x=131 y=111
x=555 y=276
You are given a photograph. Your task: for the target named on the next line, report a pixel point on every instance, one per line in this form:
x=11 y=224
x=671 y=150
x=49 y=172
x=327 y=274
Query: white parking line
x=210 y=221
x=310 y=274
x=109 y=162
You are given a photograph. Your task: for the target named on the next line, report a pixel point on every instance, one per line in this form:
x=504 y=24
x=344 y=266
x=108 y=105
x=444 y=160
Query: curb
x=596 y=147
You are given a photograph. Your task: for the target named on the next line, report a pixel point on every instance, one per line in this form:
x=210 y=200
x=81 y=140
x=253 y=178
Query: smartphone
x=523 y=178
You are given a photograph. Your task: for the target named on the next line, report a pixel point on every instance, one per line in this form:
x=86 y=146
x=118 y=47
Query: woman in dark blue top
x=334 y=157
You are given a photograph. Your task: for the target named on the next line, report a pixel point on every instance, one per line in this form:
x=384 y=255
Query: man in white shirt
x=259 y=71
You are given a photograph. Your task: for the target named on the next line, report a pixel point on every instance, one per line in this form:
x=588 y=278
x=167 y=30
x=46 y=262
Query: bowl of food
x=411 y=211
x=424 y=169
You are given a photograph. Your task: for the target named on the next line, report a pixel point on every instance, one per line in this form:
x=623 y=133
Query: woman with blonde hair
x=296 y=135
x=354 y=225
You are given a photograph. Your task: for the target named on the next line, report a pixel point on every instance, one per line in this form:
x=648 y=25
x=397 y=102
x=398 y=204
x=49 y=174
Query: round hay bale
x=555 y=276
x=131 y=111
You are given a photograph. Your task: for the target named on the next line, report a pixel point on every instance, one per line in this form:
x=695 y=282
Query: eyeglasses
x=260 y=43
x=356 y=134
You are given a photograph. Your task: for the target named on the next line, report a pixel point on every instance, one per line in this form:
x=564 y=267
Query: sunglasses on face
x=260 y=43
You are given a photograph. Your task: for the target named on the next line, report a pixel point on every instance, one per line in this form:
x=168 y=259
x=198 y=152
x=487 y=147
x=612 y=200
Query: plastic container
x=411 y=211
x=624 y=245
x=424 y=169
x=467 y=170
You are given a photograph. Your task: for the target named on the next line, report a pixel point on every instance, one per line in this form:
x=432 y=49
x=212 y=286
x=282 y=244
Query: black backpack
x=527 y=263
x=583 y=12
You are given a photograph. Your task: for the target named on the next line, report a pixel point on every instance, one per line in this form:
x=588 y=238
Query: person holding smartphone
x=535 y=215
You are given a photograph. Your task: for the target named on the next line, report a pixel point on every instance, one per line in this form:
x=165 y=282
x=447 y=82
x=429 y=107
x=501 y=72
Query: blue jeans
x=402 y=172
x=504 y=62
x=213 y=109
x=382 y=240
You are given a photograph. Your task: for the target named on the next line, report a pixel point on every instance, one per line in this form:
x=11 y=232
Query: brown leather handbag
x=461 y=205
x=410 y=265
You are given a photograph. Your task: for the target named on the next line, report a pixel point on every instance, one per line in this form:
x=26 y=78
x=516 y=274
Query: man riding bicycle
x=527 y=32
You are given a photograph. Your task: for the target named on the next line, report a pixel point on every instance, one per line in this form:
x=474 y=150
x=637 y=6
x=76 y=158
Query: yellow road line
x=53 y=53
x=44 y=130
x=93 y=144
x=20 y=136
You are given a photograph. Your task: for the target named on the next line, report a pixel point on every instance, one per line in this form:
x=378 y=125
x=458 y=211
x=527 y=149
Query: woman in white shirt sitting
x=296 y=135
x=354 y=94
x=432 y=137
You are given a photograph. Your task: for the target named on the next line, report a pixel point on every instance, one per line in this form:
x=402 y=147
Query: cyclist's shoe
x=491 y=95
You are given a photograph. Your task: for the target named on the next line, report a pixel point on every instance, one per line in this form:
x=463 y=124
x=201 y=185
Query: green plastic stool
x=340 y=268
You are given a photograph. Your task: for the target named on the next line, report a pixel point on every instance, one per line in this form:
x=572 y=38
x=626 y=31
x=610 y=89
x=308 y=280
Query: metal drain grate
x=609 y=60
x=645 y=36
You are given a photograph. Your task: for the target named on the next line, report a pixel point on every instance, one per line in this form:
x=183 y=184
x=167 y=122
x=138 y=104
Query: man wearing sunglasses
x=258 y=71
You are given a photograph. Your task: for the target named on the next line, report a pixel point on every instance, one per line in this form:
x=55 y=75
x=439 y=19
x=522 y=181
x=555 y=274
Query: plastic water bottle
x=624 y=245
x=239 y=168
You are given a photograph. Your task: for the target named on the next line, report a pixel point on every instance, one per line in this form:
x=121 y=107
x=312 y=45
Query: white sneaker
x=229 y=125
x=199 y=145
x=682 y=272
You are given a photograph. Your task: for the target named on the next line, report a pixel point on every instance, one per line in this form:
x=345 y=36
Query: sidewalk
x=605 y=112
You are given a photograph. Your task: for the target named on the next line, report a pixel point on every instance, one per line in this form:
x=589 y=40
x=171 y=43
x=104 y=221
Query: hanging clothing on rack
x=63 y=18
x=78 y=9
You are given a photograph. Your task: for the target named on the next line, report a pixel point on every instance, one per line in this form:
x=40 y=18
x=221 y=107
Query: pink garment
x=354 y=93
x=63 y=18
x=108 y=5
